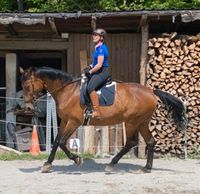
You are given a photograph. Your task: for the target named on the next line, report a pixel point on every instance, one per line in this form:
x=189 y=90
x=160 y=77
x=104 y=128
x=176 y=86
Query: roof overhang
x=52 y=25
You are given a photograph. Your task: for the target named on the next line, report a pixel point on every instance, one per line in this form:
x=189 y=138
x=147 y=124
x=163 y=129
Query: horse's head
x=31 y=85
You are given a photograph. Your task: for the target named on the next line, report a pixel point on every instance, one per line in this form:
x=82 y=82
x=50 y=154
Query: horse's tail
x=175 y=106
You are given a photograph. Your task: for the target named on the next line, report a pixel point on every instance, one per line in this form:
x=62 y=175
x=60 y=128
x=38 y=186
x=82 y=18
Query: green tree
x=96 y=5
x=8 y=5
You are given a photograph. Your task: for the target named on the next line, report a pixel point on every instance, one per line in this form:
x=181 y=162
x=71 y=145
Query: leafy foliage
x=7 y=5
x=94 y=5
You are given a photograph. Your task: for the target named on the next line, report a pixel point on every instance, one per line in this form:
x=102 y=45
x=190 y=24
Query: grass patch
x=60 y=155
x=194 y=153
x=8 y=156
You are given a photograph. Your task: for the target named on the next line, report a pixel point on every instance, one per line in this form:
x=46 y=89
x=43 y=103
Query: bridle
x=34 y=99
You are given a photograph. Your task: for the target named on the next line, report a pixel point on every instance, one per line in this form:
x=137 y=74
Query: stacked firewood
x=174 y=67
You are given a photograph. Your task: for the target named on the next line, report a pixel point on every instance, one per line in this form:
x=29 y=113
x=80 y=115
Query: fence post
x=116 y=140
x=143 y=63
x=51 y=116
x=185 y=142
x=48 y=124
x=104 y=141
x=11 y=68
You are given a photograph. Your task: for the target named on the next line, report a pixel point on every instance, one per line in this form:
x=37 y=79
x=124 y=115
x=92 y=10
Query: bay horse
x=134 y=105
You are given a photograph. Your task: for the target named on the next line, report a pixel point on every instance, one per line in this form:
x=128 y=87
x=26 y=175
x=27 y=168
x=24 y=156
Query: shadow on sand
x=91 y=166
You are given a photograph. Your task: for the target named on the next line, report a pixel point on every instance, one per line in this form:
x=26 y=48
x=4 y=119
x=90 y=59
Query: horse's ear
x=21 y=70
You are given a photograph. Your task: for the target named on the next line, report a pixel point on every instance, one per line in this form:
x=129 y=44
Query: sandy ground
x=168 y=176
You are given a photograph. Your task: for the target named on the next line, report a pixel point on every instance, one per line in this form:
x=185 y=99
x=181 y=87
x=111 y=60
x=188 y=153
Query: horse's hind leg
x=130 y=131
x=150 y=141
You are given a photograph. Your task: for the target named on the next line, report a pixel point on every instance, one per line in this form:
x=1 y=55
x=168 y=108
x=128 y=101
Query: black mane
x=52 y=74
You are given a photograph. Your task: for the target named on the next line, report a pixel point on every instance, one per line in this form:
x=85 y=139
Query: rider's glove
x=87 y=71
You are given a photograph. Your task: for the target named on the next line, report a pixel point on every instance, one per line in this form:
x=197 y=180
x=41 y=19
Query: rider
x=98 y=72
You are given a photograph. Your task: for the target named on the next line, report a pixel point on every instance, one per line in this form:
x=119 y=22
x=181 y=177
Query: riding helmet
x=100 y=32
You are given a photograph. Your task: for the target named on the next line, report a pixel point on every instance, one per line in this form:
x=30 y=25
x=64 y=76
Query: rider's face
x=96 y=38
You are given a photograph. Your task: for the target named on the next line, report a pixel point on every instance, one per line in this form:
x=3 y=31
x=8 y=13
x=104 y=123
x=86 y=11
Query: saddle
x=106 y=94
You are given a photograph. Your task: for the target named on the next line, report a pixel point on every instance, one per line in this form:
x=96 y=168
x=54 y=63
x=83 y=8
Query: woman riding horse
x=134 y=105
x=99 y=73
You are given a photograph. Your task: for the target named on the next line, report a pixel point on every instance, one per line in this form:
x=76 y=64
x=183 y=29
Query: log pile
x=174 y=67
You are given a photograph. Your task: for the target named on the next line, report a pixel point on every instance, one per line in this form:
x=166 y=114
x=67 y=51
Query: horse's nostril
x=29 y=106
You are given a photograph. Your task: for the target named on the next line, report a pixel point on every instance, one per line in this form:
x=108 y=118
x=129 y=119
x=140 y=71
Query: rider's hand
x=86 y=71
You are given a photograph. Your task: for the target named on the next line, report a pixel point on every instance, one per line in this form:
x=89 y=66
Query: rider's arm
x=98 y=65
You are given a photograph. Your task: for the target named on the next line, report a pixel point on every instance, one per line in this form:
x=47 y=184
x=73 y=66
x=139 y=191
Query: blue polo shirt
x=101 y=50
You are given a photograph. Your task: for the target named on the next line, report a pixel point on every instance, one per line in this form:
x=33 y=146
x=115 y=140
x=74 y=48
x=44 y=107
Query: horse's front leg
x=69 y=130
x=77 y=159
x=61 y=139
x=47 y=167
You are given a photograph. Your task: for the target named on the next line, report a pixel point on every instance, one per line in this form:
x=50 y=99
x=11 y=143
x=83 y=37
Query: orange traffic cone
x=34 y=147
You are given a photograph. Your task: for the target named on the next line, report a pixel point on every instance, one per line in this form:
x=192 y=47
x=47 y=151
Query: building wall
x=124 y=50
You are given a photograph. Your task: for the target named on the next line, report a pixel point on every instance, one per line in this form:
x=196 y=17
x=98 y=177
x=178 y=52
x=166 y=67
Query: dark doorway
x=38 y=59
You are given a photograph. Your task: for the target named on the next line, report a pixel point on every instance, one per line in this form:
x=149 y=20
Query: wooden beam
x=144 y=51
x=143 y=21
x=87 y=132
x=153 y=13
x=93 y=26
x=27 y=21
x=93 y=22
x=53 y=26
x=104 y=141
x=83 y=59
x=143 y=65
x=33 y=45
x=11 y=72
x=91 y=131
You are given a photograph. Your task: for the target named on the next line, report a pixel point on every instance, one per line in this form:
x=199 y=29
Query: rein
x=57 y=89
x=73 y=81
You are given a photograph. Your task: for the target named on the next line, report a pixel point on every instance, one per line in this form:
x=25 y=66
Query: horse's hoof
x=109 y=168
x=146 y=170
x=78 y=161
x=47 y=168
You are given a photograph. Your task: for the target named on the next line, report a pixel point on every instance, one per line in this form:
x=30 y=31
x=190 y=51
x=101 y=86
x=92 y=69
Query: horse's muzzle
x=29 y=106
